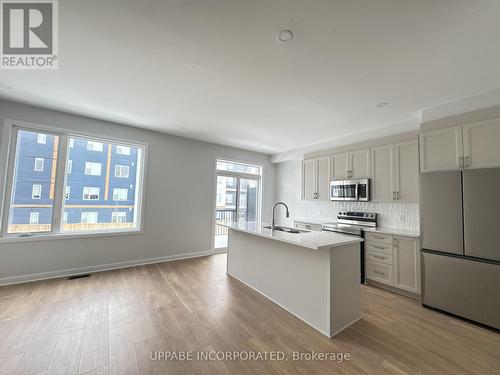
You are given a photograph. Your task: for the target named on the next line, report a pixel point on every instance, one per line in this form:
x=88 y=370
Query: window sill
x=67 y=236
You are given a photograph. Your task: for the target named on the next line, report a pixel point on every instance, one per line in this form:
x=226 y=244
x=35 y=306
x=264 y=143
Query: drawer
x=378 y=237
x=379 y=272
x=375 y=256
x=379 y=247
x=307 y=226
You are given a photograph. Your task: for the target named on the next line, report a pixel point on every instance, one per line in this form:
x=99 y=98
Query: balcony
x=223 y=215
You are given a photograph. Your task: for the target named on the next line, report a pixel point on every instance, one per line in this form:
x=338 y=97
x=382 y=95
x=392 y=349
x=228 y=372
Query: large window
x=60 y=183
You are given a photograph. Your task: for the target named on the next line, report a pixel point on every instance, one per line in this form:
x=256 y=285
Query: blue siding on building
x=25 y=176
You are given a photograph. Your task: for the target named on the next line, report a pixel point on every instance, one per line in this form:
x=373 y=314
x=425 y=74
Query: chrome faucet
x=274 y=207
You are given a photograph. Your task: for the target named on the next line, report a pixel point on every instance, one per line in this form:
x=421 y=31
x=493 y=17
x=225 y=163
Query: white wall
x=288 y=176
x=181 y=213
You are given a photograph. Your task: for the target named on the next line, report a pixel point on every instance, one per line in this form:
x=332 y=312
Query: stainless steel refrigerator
x=460 y=225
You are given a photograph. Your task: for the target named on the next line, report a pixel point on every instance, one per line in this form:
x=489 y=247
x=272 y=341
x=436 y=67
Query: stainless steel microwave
x=350 y=190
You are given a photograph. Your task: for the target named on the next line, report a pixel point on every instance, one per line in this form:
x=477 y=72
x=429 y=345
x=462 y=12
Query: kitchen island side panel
x=294 y=277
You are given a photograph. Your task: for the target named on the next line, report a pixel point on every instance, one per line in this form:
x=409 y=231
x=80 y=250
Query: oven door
x=344 y=190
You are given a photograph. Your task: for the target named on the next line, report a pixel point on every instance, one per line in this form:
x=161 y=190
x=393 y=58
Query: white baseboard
x=99 y=268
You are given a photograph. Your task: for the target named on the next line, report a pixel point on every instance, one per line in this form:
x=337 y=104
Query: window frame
x=8 y=146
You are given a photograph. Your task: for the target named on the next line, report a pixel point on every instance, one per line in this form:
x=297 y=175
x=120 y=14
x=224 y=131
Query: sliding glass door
x=237 y=198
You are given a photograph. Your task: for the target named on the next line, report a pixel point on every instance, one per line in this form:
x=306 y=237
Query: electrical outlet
x=163 y=243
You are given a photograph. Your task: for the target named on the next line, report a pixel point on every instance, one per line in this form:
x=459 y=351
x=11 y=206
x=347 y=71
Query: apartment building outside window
x=96 y=174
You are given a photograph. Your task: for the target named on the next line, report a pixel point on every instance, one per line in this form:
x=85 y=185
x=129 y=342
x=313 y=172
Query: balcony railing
x=223 y=216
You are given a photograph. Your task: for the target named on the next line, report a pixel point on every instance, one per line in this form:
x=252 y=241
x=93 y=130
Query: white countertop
x=312 y=240
x=395 y=232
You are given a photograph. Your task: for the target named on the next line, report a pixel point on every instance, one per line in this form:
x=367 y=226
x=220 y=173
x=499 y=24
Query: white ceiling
x=213 y=70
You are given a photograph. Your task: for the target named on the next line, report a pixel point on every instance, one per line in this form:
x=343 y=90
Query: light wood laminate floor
x=110 y=322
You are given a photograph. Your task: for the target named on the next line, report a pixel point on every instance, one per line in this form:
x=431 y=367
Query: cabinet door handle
x=397 y=195
x=467 y=161
x=378 y=247
x=379 y=237
x=461 y=161
x=393 y=195
x=378 y=257
x=380 y=273
x=395 y=242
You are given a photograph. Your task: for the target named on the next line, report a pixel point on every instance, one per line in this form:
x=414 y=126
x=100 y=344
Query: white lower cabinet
x=379 y=272
x=393 y=260
x=406 y=264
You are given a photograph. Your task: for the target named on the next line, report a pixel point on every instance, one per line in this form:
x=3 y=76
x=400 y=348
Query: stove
x=352 y=223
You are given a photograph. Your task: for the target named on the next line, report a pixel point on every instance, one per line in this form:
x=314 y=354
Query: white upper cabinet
x=323 y=178
x=359 y=164
x=395 y=172
x=441 y=150
x=482 y=144
x=340 y=166
x=467 y=146
x=354 y=164
x=308 y=179
x=382 y=182
x=316 y=178
x=406 y=171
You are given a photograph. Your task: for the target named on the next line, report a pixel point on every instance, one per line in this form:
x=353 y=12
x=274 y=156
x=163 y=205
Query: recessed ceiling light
x=382 y=105
x=285 y=36
x=4 y=86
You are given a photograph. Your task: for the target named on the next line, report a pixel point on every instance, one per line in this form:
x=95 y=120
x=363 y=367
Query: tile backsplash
x=399 y=215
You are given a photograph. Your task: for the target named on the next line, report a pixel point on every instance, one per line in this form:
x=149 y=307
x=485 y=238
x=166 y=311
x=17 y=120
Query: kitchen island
x=313 y=275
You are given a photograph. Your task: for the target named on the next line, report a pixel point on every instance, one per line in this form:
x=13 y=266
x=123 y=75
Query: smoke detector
x=285 y=36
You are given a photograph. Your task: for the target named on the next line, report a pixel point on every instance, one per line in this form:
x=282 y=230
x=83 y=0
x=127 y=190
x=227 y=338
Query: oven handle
x=357 y=190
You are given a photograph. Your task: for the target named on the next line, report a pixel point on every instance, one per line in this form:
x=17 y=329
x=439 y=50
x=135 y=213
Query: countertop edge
x=350 y=241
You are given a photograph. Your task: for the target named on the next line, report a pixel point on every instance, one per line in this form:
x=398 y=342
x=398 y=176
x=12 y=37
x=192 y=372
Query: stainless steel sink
x=287 y=229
